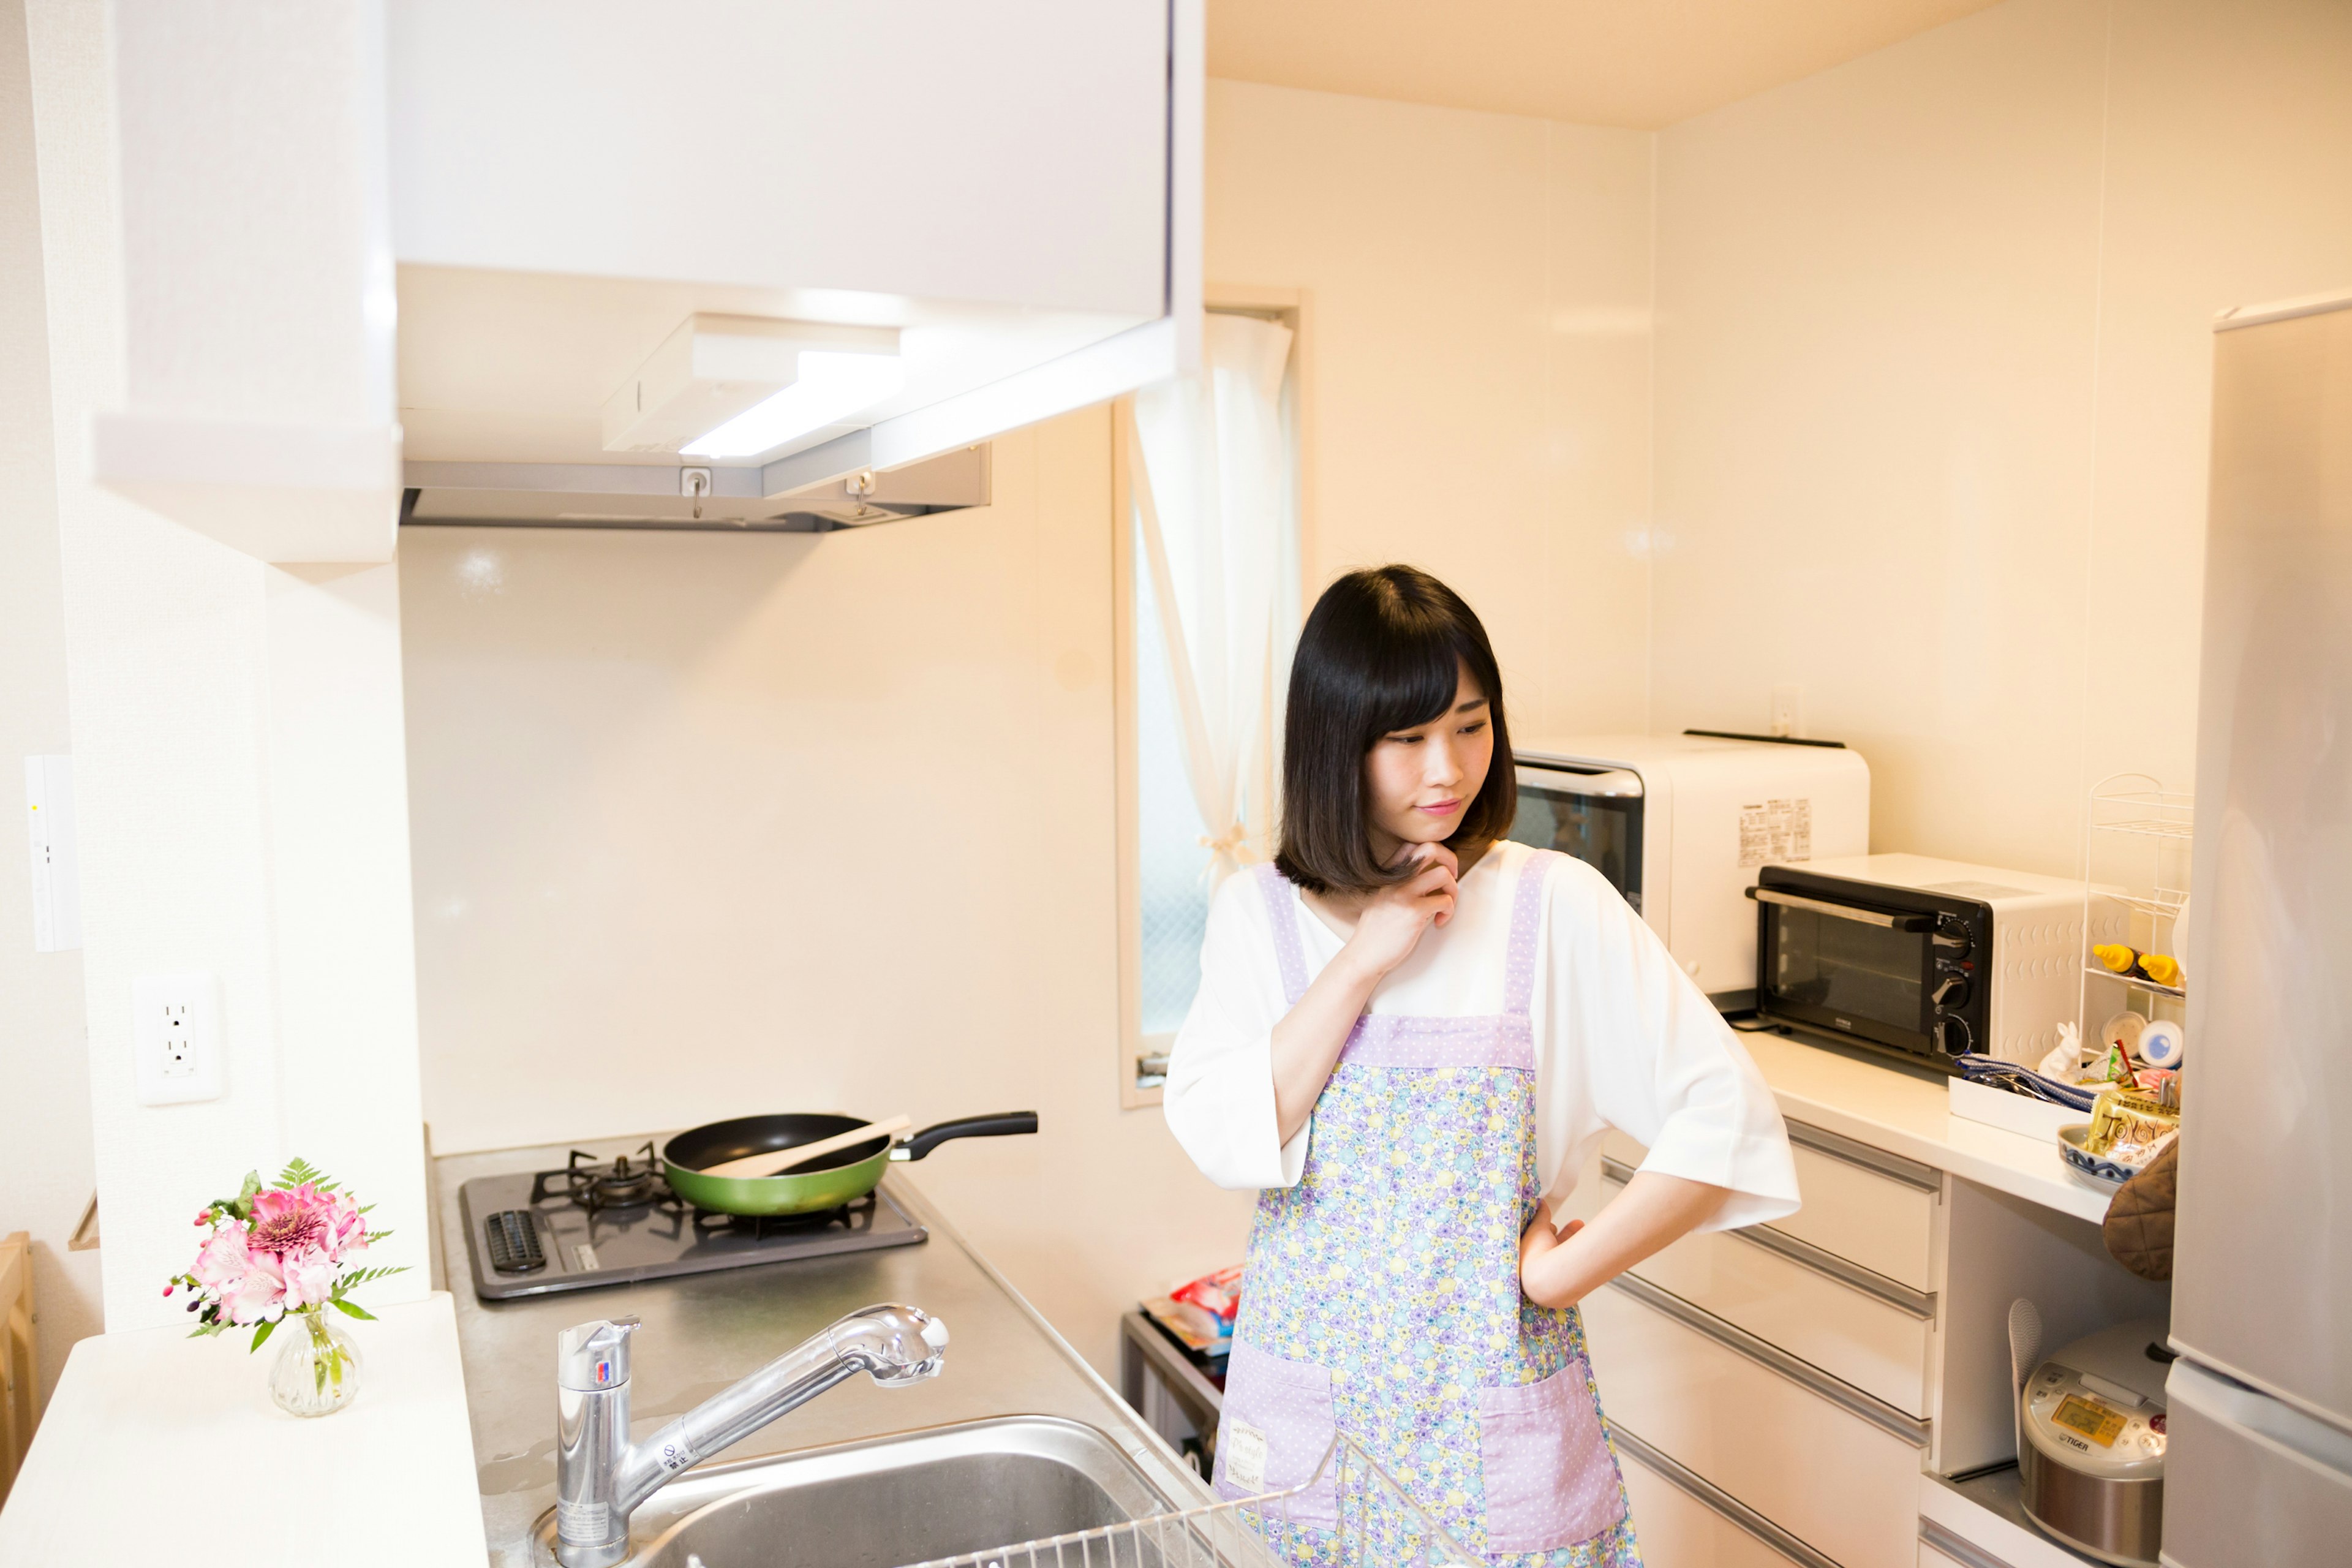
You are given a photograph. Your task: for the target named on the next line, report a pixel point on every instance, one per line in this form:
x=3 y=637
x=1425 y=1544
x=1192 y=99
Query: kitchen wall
x=1479 y=396
x=1933 y=365
x=44 y=1065
x=707 y=823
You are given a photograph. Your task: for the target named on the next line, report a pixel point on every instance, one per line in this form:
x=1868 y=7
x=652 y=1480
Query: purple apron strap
x=1282 y=912
x=1527 y=919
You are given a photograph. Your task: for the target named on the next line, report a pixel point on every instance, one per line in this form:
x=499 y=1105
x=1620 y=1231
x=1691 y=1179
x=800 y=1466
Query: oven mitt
x=2139 y=1228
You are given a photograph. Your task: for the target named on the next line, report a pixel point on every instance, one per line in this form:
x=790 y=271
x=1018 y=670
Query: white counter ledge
x=161 y=1448
x=1889 y=1109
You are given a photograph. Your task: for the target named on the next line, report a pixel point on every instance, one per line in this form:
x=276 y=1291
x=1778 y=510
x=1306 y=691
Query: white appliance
x=1926 y=959
x=2260 y=1470
x=1682 y=824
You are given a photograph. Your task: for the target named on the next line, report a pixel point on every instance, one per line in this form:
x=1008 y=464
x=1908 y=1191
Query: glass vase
x=318 y=1368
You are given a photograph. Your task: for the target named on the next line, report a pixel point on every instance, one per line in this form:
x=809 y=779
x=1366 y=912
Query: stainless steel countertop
x=703 y=1331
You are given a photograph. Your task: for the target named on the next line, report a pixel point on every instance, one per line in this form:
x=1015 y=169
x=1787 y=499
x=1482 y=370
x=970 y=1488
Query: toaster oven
x=1681 y=825
x=1926 y=959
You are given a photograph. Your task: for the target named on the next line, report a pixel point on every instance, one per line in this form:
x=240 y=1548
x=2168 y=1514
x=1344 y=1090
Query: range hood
x=684 y=497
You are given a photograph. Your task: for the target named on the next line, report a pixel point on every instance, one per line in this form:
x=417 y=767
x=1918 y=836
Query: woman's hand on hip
x=1538 y=1241
x=1559 y=1269
x=1390 y=925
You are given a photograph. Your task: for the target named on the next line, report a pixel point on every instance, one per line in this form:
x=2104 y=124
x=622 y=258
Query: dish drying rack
x=2136 y=806
x=1378 y=1523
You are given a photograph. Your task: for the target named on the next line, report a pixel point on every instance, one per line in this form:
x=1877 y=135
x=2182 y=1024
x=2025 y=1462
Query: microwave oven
x=1926 y=959
x=1681 y=825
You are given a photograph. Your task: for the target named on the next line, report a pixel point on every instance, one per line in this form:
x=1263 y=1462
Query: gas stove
x=609 y=1222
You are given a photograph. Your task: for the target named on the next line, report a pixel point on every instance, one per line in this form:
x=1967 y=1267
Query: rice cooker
x=2090 y=1461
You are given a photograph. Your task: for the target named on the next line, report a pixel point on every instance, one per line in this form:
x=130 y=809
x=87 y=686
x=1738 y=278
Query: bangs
x=1414 y=676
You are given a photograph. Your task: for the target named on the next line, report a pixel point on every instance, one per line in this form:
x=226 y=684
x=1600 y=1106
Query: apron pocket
x=1276 y=1426
x=1550 y=1480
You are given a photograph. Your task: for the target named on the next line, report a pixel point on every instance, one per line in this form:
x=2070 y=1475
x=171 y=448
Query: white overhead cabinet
x=866 y=232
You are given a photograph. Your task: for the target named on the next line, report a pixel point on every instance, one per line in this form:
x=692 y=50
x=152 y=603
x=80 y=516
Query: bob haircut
x=1383 y=651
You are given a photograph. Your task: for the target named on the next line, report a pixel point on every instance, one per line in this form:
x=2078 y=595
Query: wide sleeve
x=1625 y=1040
x=1219 y=1100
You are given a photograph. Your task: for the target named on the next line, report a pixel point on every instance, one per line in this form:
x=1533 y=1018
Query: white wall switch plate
x=175 y=1037
x=57 y=869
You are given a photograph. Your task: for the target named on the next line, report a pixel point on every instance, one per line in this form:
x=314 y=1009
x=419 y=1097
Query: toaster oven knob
x=1952 y=992
x=1952 y=1037
x=1953 y=939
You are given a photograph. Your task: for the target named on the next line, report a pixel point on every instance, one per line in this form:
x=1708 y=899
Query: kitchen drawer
x=1839 y=1481
x=1857 y=1326
x=1862 y=1203
x=1684 y=1523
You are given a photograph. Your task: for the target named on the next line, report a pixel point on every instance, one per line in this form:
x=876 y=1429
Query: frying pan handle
x=1004 y=1125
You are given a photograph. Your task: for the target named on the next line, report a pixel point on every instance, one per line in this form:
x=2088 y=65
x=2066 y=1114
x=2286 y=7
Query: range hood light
x=831 y=386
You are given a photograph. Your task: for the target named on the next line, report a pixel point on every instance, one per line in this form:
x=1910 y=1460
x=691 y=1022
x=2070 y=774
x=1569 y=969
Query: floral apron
x=1382 y=1298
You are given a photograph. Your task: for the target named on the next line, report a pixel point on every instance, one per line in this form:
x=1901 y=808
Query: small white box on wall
x=57 y=871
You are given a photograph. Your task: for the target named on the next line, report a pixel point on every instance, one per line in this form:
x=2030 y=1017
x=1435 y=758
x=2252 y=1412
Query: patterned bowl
x=2095 y=1169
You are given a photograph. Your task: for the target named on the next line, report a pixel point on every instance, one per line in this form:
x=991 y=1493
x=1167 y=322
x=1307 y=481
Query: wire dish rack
x=1379 y=1523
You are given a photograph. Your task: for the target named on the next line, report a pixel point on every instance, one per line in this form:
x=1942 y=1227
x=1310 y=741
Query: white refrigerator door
x=2249 y=1481
x=2262 y=1280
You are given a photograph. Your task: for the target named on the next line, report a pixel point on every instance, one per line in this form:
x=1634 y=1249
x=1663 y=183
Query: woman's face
x=1421 y=781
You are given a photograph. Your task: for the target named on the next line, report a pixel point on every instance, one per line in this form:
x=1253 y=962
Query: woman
x=1408 y=1034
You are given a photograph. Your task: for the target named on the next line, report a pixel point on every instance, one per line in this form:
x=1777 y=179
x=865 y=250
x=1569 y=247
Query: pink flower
x=301 y=1218
x=224 y=1258
x=291 y=1220
x=309 y=1277
x=259 y=1295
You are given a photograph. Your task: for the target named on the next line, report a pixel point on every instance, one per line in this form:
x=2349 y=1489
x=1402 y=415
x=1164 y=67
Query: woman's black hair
x=1384 y=650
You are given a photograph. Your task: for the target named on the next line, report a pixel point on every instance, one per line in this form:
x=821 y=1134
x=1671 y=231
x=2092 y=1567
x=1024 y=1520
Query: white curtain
x=1214 y=495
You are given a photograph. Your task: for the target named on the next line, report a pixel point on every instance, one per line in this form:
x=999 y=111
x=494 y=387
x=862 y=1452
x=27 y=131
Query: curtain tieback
x=1225 y=852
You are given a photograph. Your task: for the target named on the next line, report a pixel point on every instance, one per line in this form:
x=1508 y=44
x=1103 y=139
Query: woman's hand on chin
x=1388 y=926
x=1542 y=1281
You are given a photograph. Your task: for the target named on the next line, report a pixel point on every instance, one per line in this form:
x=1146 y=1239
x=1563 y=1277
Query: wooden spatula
x=776 y=1161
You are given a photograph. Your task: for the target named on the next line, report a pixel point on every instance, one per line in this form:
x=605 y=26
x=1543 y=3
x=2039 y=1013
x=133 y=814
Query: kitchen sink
x=903 y=1500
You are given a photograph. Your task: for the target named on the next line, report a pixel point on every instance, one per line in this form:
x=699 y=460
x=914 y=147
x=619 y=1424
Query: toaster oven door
x=1595 y=816
x=1856 y=970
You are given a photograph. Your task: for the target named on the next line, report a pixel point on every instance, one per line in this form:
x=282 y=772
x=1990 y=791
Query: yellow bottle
x=2116 y=957
x=2162 y=969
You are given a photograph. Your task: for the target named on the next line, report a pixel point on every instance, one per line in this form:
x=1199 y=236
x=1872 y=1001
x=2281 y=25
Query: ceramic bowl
x=2095 y=1169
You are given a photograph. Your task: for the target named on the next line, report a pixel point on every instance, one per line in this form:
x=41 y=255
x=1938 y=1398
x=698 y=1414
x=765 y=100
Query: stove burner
x=625 y=1182
x=847 y=1215
x=607 y=1221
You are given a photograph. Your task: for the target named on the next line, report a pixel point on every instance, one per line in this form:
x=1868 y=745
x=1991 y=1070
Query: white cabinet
x=1013 y=190
x=1008 y=154
x=362 y=232
x=1837 y=1482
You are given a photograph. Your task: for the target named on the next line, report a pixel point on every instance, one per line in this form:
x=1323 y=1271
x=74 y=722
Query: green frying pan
x=841 y=1177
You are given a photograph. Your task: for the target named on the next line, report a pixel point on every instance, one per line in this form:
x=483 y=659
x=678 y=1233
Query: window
x=1208 y=504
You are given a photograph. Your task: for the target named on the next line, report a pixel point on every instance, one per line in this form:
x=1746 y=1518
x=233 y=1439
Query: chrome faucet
x=601 y=1478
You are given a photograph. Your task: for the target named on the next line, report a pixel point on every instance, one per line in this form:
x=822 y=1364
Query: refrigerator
x=2258 y=1469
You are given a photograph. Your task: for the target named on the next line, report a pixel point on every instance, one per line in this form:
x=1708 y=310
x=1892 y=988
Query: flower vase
x=318 y=1368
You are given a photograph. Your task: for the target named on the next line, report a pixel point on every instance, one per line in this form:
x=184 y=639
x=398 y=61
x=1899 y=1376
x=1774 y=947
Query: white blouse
x=1623 y=1038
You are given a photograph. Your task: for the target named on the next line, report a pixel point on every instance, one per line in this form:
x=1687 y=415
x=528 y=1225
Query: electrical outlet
x=1787 y=711
x=175 y=1037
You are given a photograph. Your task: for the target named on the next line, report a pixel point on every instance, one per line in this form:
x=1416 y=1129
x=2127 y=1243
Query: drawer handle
x=1710 y=1495
x=1919 y=1304
x=1894 y=1167
x=1772 y=1358
x=1958 y=1548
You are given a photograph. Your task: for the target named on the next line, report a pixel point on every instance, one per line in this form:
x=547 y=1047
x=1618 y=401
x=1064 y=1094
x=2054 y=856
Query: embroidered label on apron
x=1244 y=1448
